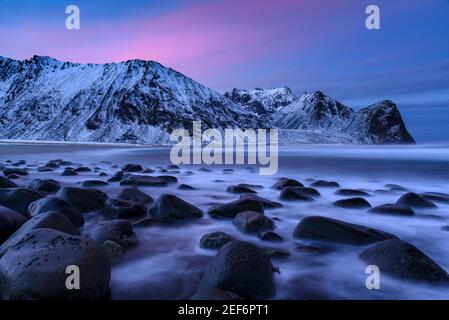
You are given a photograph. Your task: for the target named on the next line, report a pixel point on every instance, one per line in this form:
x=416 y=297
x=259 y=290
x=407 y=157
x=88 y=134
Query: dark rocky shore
x=99 y=215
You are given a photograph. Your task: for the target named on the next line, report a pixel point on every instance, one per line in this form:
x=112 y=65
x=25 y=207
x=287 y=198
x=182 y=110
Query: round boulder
x=414 y=200
x=85 y=200
x=10 y=221
x=45 y=185
x=215 y=240
x=252 y=222
x=56 y=205
x=18 y=199
x=352 y=203
x=169 y=208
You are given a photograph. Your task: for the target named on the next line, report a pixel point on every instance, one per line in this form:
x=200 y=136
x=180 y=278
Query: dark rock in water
x=173 y=167
x=85 y=200
x=45 y=185
x=215 y=294
x=445 y=228
x=48 y=220
x=83 y=169
x=13 y=177
x=215 y=240
x=310 y=191
x=292 y=193
x=117 y=177
x=185 y=187
x=45 y=169
x=170 y=208
x=94 y=183
x=283 y=183
x=228 y=170
x=384 y=192
x=132 y=168
x=403 y=260
x=103 y=174
x=414 y=200
x=35 y=268
x=265 y=202
x=325 y=184
x=270 y=236
x=56 y=205
x=395 y=187
x=332 y=230
x=69 y=172
x=15 y=171
x=239 y=189
x=133 y=194
x=274 y=253
x=230 y=210
x=10 y=221
x=119 y=231
x=168 y=179
x=392 y=209
x=242 y=268
x=352 y=193
x=18 y=199
x=252 y=222
x=436 y=196
x=6 y=183
x=52 y=165
x=251 y=186
x=113 y=249
x=144 y=181
x=19 y=163
x=119 y=209
x=203 y=169
x=352 y=203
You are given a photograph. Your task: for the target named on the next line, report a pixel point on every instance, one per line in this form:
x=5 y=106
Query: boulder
x=281 y=184
x=352 y=203
x=351 y=193
x=392 y=209
x=47 y=220
x=15 y=171
x=6 y=183
x=132 y=168
x=332 y=230
x=53 y=204
x=94 y=183
x=36 y=268
x=252 y=222
x=18 y=199
x=113 y=249
x=69 y=172
x=404 y=261
x=144 y=181
x=436 y=196
x=185 y=187
x=239 y=189
x=265 y=202
x=133 y=194
x=413 y=200
x=270 y=236
x=242 y=268
x=83 y=169
x=45 y=185
x=119 y=231
x=169 y=208
x=10 y=221
x=230 y=210
x=215 y=240
x=85 y=200
x=325 y=184
x=120 y=209
x=293 y=193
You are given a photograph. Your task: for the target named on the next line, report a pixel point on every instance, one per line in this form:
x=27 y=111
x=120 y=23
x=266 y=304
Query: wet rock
x=114 y=250
x=18 y=199
x=332 y=230
x=13 y=177
x=10 y=221
x=34 y=269
x=292 y=193
x=203 y=169
x=52 y=165
x=45 y=186
x=15 y=171
x=242 y=268
x=252 y=222
x=6 y=183
x=239 y=189
x=414 y=200
x=117 y=177
x=392 y=209
x=270 y=236
x=185 y=187
x=310 y=191
x=133 y=194
x=215 y=240
x=352 y=203
x=47 y=220
x=215 y=294
x=56 y=205
x=395 y=187
x=94 y=183
x=119 y=231
x=265 y=202
x=384 y=192
x=283 y=183
x=403 y=260
x=144 y=181
x=83 y=169
x=169 y=208
x=45 y=169
x=85 y=200
x=251 y=186
x=103 y=174
x=69 y=172
x=119 y=209
x=325 y=184
x=274 y=253
x=132 y=168
x=168 y=179
x=436 y=196
x=351 y=193
x=231 y=209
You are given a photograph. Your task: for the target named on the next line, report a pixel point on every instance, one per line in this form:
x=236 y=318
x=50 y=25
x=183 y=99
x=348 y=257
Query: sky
x=306 y=45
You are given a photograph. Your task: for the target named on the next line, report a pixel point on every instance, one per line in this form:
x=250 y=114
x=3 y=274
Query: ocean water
x=168 y=263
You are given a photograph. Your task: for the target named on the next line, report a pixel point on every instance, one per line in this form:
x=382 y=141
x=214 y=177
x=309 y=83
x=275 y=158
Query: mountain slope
x=142 y=102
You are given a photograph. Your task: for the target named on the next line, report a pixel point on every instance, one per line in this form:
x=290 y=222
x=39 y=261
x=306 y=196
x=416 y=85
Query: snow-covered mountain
x=142 y=102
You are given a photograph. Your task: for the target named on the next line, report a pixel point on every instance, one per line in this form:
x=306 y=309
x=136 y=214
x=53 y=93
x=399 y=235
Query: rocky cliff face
x=142 y=102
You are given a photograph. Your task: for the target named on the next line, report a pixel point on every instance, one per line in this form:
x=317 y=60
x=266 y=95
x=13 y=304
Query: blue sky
x=304 y=44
